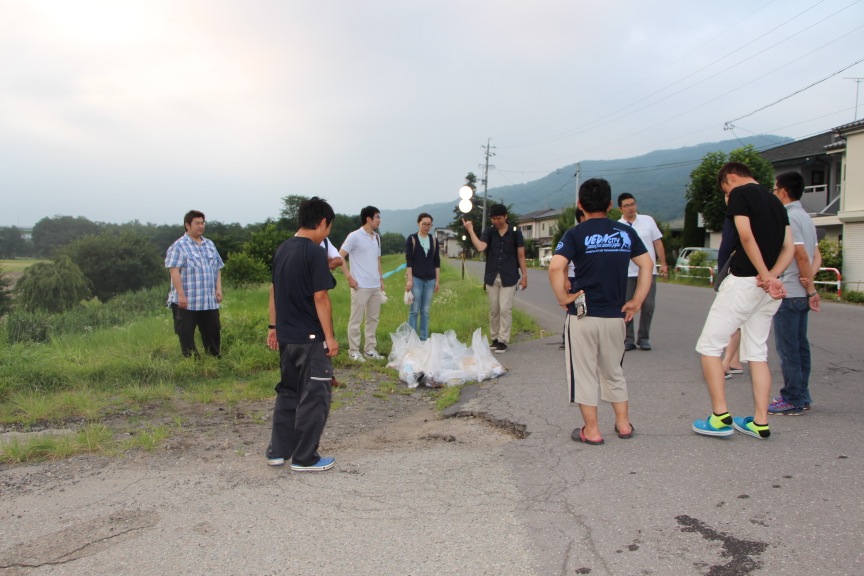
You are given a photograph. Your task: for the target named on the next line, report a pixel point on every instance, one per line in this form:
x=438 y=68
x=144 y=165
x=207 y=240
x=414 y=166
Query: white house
x=851 y=212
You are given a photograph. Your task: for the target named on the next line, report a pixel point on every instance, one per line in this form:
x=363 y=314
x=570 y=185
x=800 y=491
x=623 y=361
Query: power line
x=729 y=125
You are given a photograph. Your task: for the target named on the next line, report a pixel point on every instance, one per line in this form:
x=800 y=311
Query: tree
x=342 y=226
x=52 y=287
x=290 y=211
x=242 y=270
x=52 y=233
x=228 y=238
x=475 y=216
x=392 y=243
x=5 y=292
x=705 y=194
x=114 y=264
x=566 y=220
x=12 y=244
x=262 y=244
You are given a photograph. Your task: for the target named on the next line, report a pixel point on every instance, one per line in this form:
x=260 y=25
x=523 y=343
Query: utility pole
x=857 y=86
x=489 y=153
x=578 y=170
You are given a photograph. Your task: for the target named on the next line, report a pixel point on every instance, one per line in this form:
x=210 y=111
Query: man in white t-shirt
x=362 y=250
x=651 y=236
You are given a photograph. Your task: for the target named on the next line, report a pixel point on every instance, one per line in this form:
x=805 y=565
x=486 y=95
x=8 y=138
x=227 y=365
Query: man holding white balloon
x=505 y=258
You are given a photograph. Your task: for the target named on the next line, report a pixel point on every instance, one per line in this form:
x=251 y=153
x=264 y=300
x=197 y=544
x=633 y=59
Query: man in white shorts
x=747 y=299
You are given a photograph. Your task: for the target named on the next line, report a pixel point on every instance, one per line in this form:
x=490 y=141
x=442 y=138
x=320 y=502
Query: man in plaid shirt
x=196 y=287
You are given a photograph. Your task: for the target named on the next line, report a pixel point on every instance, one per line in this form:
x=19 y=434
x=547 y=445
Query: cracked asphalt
x=513 y=495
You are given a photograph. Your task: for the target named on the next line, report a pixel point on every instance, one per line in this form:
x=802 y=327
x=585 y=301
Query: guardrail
x=710 y=270
x=838 y=282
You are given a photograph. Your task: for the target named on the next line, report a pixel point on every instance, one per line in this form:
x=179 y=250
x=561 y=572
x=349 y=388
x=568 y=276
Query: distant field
x=19 y=264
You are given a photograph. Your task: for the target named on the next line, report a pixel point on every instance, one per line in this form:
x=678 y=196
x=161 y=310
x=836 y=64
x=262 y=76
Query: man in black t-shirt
x=505 y=259
x=747 y=299
x=301 y=324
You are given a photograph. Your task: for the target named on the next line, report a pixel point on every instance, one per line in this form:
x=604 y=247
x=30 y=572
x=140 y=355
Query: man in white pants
x=362 y=250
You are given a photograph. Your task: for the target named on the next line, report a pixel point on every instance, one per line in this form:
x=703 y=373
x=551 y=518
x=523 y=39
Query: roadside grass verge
x=89 y=374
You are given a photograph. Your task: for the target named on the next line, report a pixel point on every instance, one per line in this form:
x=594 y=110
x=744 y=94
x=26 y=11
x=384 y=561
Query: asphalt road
x=670 y=501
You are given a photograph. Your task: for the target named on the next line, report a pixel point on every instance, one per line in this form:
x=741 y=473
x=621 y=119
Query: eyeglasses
x=630 y=205
x=425 y=223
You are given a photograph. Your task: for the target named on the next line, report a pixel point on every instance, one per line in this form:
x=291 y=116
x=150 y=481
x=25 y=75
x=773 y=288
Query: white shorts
x=739 y=304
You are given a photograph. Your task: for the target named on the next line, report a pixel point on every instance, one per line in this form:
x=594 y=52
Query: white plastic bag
x=442 y=358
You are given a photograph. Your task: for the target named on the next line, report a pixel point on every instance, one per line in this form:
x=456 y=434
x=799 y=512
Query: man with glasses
x=196 y=287
x=651 y=236
x=362 y=249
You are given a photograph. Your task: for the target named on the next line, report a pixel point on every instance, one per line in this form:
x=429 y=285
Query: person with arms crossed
x=505 y=260
x=601 y=251
x=301 y=325
x=196 y=287
x=652 y=238
x=747 y=299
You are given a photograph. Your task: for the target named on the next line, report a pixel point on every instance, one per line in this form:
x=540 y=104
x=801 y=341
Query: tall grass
x=85 y=373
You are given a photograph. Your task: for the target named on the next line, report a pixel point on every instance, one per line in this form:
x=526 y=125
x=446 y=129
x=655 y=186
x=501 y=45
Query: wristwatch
x=811 y=294
x=271 y=326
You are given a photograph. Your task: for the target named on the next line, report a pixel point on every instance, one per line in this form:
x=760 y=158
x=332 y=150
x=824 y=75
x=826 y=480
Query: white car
x=545 y=260
x=684 y=257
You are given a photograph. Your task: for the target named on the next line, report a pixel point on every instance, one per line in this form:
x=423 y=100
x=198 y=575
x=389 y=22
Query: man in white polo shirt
x=362 y=250
x=651 y=236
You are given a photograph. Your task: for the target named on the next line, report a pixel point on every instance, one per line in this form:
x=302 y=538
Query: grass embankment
x=90 y=374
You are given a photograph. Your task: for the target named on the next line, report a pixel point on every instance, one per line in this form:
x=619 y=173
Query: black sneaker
x=502 y=347
x=494 y=345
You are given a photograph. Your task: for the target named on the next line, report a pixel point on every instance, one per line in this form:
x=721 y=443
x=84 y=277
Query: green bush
x=90 y=315
x=116 y=263
x=696 y=261
x=51 y=287
x=243 y=270
x=854 y=296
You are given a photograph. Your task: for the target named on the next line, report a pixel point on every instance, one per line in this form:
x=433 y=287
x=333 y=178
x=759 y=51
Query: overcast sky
x=121 y=109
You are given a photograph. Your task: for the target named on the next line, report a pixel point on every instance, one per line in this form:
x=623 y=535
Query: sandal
x=580 y=437
x=626 y=436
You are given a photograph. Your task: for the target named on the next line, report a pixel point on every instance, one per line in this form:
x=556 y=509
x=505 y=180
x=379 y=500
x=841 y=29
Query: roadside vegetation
x=118 y=361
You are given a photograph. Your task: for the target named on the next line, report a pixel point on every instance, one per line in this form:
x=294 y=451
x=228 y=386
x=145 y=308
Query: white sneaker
x=373 y=355
x=356 y=356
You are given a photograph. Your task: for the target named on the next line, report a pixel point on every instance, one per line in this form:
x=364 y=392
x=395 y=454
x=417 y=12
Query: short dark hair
x=424 y=215
x=191 y=215
x=792 y=182
x=368 y=212
x=595 y=195
x=497 y=210
x=737 y=168
x=312 y=211
x=624 y=196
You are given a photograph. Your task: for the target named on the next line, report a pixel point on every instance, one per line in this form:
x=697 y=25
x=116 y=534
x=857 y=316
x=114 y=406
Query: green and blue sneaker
x=714 y=425
x=749 y=427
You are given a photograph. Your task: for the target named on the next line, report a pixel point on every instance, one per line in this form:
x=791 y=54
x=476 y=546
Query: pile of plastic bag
x=442 y=359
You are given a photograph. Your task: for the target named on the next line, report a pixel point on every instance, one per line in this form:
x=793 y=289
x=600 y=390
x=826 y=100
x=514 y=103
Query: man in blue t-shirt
x=301 y=324
x=601 y=250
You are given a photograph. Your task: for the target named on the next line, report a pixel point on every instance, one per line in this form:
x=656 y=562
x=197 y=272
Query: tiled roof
x=852 y=126
x=812 y=146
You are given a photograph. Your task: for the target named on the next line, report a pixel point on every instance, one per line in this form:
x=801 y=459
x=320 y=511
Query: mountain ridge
x=658 y=179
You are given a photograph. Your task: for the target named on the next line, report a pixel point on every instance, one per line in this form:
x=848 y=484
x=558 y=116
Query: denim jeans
x=790 y=339
x=423 y=291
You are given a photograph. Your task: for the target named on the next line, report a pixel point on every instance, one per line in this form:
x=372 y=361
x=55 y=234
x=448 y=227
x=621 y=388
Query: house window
x=817 y=178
